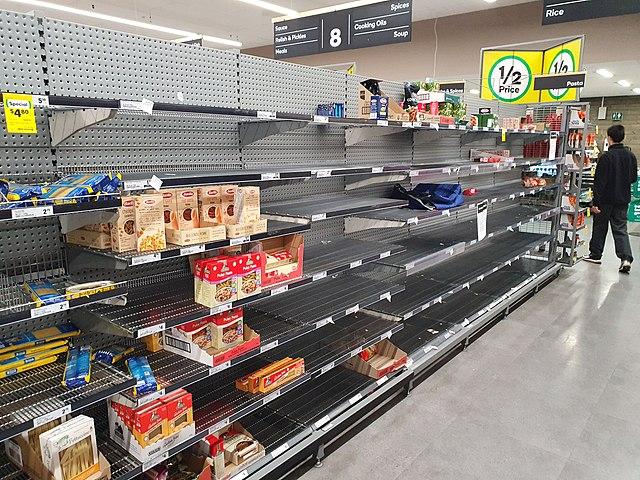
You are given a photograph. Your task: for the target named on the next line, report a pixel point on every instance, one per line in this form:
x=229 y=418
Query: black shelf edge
x=108 y=202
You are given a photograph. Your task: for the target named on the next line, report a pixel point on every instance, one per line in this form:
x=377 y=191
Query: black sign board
x=452 y=88
x=367 y=26
x=562 y=11
x=559 y=82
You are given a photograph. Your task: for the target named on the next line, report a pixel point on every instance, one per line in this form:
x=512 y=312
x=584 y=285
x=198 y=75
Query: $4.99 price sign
x=19 y=113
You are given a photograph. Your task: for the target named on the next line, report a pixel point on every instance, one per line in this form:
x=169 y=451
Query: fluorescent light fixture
x=490 y=1
x=624 y=83
x=126 y=21
x=474 y=91
x=318 y=11
x=636 y=90
x=271 y=6
x=603 y=72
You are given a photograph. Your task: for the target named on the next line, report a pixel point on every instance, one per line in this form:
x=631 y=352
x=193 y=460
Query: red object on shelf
x=470 y=192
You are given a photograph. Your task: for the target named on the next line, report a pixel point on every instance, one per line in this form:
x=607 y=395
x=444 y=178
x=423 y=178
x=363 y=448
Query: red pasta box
x=227 y=329
x=179 y=407
x=218 y=285
x=249 y=274
x=283 y=259
x=150 y=423
x=197 y=332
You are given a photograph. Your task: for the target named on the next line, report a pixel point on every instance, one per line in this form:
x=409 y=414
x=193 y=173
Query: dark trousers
x=616 y=215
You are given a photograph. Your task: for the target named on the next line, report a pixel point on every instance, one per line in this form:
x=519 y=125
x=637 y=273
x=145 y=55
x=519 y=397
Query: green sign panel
x=616 y=116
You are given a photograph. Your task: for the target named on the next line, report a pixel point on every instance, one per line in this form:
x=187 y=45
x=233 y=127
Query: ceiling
x=598 y=86
x=227 y=18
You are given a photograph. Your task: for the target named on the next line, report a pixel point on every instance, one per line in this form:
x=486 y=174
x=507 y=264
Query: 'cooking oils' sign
x=507 y=75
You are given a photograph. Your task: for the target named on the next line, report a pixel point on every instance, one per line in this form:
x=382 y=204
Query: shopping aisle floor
x=551 y=392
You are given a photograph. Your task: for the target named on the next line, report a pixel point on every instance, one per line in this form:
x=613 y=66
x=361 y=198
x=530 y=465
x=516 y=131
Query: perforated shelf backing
x=100 y=63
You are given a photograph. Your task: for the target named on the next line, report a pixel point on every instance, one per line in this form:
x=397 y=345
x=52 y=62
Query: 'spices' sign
x=367 y=26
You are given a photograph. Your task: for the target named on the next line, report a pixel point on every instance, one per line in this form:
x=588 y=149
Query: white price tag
x=155 y=461
x=385 y=296
x=434 y=126
x=323 y=173
x=150 y=397
x=412 y=221
x=32 y=212
x=148 y=258
x=428 y=348
x=269 y=346
x=241 y=476
x=220 y=308
x=414 y=173
x=279 y=290
x=446 y=170
x=145 y=106
x=417 y=124
x=271 y=397
x=355 y=351
x=451 y=126
x=218 y=426
x=144 y=332
x=265 y=115
x=407 y=316
x=320 y=119
x=322 y=421
x=270 y=176
x=155 y=183
x=522 y=194
x=385 y=254
x=382 y=380
x=48 y=417
x=41 y=101
x=466 y=285
x=318 y=216
x=324 y=322
x=355 y=264
x=280 y=450
x=462 y=127
x=437 y=300
x=465 y=322
x=326 y=368
x=219 y=368
x=351 y=310
x=355 y=399
x=136 y=184
x=385 y=335
x=382 y=123
x=377 y=169
x=193 y=249
x=327 y=427
x=319 y=276
x=512 y=196
x=480 y=278
x=50 y=309
x=475 y=127
x=407 y=124
x=238 y=240
x=410 y=265
x=446 y=213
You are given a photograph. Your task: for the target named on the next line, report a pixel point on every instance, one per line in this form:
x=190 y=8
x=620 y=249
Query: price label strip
x=32 y=212
x=50 y=309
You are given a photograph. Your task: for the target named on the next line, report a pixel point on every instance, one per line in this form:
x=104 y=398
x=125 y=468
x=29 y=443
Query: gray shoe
x=625 y=266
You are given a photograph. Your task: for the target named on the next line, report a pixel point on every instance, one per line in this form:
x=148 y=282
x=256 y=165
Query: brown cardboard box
x=149 y=215
x=91 y=239
x=387 y=358
x=248 y=204
x=196 y=235
x=396 y=112
x=210 y=200
x=188 y=209
x=123 y=228
x=170 y=208
x=230 y=468
x=238 y=230
x=98 y=227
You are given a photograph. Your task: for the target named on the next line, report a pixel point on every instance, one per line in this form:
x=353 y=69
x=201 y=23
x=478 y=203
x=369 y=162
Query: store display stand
x=429 y=282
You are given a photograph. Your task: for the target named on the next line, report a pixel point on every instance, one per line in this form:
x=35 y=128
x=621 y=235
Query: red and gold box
x=272 y=376
x=179 y=410
x=249 y=274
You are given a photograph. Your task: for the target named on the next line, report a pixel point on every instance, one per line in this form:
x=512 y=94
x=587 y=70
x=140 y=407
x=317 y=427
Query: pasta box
x=218 y=283
x=283 y=259
x=378 y=361
x=249 y=274
x=179 y=405
x=226 y=329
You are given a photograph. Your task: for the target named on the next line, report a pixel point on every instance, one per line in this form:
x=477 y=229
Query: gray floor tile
x=576 y=471
x=622 y=403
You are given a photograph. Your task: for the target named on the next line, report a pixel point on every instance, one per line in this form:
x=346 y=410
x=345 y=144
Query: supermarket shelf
x=574 y=210
x=323 y=207
x=159 y=306
x=433 y=285
x=84 y=257
x=37 y=396
x=218 y=403
x=106 y=202
x=8 y=471
x=400 y=217
x=570 y=228
x=430 y=248
x=16 y=306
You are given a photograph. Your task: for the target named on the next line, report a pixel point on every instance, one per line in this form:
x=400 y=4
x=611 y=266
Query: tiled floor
x=550 y=393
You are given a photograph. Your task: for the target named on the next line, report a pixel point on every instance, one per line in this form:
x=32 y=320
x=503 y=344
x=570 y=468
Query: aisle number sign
x=507 y=75
x=19 y=113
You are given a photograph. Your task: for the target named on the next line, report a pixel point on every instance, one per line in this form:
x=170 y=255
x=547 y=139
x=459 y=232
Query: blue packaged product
x=42 y=292
x=113 y=354
x=38 y=337
x=59 y=194
x=91 y=181
x=141 y=371
x=77 y=371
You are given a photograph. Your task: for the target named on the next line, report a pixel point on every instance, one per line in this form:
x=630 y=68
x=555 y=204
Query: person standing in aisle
x=616 y=171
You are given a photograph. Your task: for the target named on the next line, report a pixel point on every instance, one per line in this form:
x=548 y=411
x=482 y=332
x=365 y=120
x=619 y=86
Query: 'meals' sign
x=562 y=11
x=367 y=26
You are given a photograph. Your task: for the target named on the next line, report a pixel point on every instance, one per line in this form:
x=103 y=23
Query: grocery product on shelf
x=123 y=228
x=42 y=292
x=89 y=238
x=249 y=274
x=331 y=110
x=378 y=360
x=38 y=337
x=113 y=354
x=272 y=376
x=491 y=156
x=153 y=343
x=140 y=370
x=77 y=371
x=149 y=222
x=283 y=259
x=215 y=282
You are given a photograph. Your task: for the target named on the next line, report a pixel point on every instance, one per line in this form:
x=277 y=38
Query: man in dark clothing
x=617 y=170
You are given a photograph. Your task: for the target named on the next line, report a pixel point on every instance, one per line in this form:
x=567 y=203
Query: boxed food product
x=283 y=259
x=179 y=405
x=212 y=447
x=77 y=371
x=149 y=222
x=239 y=450
x=248 y=204
x=98 y=227
x=23 y=367
x=38 y=337
x=123 y=228
x=228 y=205
x=31 y=354
x=150 y=423
x=69 y=451
x=382 y=359
x=196 y=235
x=249 y=274
x=197 y=332
x=113 y=354
x=42 y=292
x=89 y=238
x=272 y=376
x=153 y=342
x=218 y=284
x=170 y=208
x=140 y=370
x=188 y=211
x=210 y=200
x=226 y=329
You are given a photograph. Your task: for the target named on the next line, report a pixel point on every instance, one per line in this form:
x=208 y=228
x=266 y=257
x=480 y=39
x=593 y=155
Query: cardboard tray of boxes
x=379 y=360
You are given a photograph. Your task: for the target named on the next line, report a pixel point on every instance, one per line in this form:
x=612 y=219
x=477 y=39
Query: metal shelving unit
x=250 y=120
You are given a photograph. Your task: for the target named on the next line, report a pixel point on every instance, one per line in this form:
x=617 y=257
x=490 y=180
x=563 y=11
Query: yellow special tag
x=504 y=135
x=19 y=113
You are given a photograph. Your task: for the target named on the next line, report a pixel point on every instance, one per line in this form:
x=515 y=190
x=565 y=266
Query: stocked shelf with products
x=105 y=202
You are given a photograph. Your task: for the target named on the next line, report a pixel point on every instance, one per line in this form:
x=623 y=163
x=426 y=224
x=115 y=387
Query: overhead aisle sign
x=562 y=11
x=508 y=75
x=367 y=26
